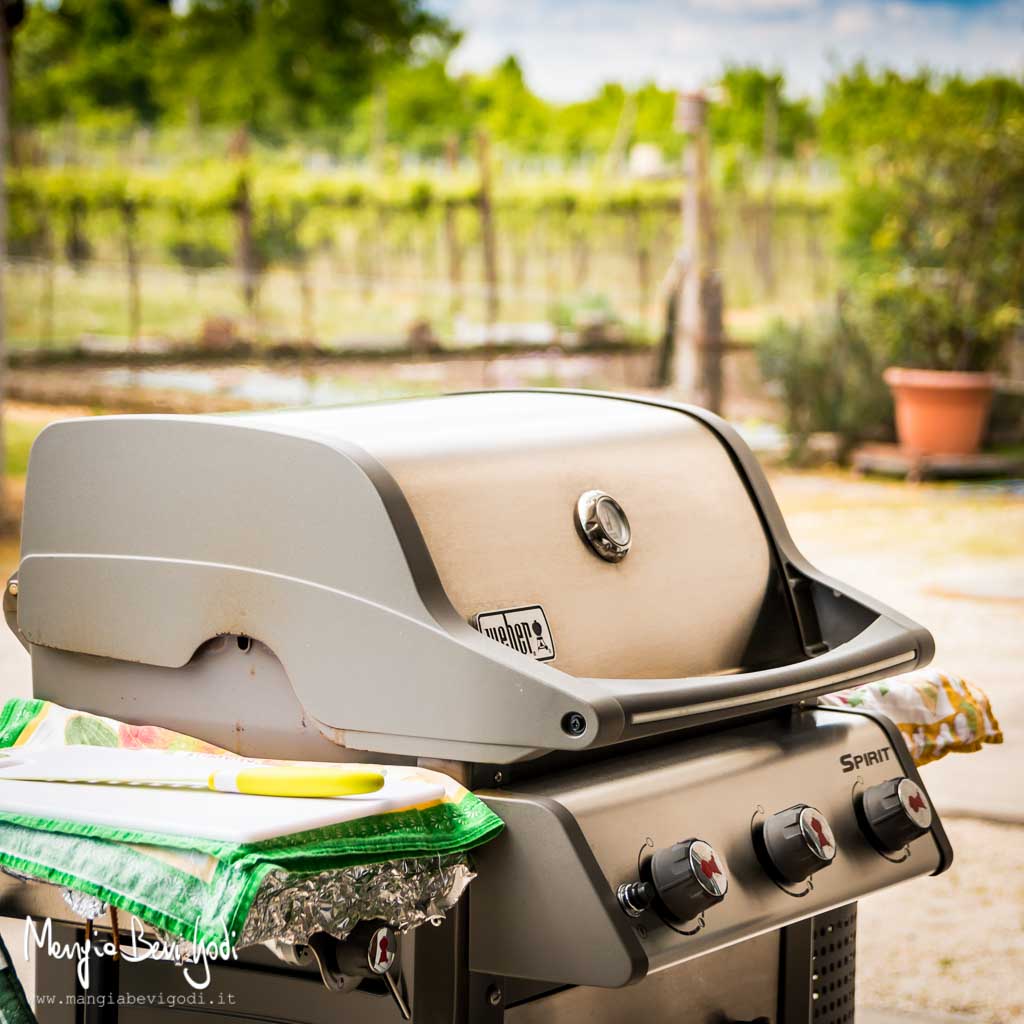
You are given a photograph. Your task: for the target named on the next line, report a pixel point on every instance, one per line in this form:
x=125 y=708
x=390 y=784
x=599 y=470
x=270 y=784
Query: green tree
x=289 y=64
x=273 y=66
x=589 y=127
x=11 y=15
x=84 y=56
x=418 y=107
x=511 y=113
x=932 y=212
x=754 y=113
x=655 y=119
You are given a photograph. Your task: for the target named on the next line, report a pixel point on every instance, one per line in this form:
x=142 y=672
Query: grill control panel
x=612 y=871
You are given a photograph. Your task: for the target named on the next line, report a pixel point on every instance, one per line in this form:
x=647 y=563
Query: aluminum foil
x=84 y=905
x=289 y=908
x=19 y=875
x=404 y=893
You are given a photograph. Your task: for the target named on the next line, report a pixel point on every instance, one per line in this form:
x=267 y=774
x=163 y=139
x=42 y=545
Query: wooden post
x=77 y=247
x=697 y=367
x=47 y=305
x=766 y=221
x=304 y=266
x=378 y=128
x=642 y=254
x=246 y=251
x=307 y=301
x=490 y=245
x=131 y=258
x=551 y=278
x=4 y=124
x=451 y=232
x=581 y=252
x=624 y=127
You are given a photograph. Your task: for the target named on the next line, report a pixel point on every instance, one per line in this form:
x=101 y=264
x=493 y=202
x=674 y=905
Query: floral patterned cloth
x=937 y=714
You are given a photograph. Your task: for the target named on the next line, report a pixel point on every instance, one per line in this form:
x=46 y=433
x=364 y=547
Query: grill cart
x=586 y=608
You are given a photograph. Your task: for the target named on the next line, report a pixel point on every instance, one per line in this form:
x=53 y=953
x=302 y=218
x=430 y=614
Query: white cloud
x=569 y=47
x=754 y=6
x=854 y=21
x=899 y=12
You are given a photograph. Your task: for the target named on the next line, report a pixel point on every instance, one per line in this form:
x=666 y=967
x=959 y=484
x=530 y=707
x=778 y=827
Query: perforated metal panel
x=833 y=966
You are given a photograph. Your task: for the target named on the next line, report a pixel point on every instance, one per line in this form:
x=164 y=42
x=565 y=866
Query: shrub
x=829 y=378
x=932 y=216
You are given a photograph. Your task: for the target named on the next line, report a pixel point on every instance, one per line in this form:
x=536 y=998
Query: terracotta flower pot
x=940 y=412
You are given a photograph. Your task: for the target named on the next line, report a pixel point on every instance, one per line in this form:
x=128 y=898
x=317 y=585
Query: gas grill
x=584 y=607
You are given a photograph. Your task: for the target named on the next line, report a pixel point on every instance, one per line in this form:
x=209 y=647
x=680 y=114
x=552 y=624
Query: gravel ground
x=953 y=944
x=951 y=557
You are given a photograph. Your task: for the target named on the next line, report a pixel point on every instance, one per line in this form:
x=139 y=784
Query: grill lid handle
x=884 y=648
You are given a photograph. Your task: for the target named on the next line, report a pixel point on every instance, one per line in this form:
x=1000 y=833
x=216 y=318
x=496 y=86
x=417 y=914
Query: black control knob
x=688 y=878
x=894 y=813
x=797 y=842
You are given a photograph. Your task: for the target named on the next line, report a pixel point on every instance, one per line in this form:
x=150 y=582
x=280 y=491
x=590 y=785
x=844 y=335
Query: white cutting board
x=201 y=813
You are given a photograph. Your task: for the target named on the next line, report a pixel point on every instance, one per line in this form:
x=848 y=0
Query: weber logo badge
x=525 y=630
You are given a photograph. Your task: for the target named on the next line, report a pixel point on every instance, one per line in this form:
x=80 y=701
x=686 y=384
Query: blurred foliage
x=354 y=129
x=754 y=124
x=358 y=79
x=271 y=66
x=929 y=223
x=590 y=312
x=932 y=213
x=829 y=378
x=189 y=214
x=83 y=56
x=18 y=437
x=754 y=112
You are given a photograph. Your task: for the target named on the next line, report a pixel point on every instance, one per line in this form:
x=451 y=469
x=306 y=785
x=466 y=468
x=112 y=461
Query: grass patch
x=18 y=437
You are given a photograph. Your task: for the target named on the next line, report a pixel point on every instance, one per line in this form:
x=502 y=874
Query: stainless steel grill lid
x=493 y=481
x=482 y=577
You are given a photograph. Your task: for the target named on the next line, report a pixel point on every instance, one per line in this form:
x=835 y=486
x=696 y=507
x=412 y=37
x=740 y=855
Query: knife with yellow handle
x=184 y=769
x=289 y=780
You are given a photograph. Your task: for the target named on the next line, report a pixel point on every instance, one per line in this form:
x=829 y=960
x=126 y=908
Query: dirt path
x=954 y=944
x=953 y=558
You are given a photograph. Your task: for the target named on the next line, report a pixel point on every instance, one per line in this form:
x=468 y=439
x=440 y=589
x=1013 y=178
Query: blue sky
x=568 y=47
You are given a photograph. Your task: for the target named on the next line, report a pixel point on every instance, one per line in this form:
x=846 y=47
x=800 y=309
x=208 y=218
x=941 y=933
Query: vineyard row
x=514 y=249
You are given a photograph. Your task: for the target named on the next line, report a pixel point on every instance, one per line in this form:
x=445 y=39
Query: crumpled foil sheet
x=84 y=905
x=290 y=908
x=19 y=875
x=404 y=893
